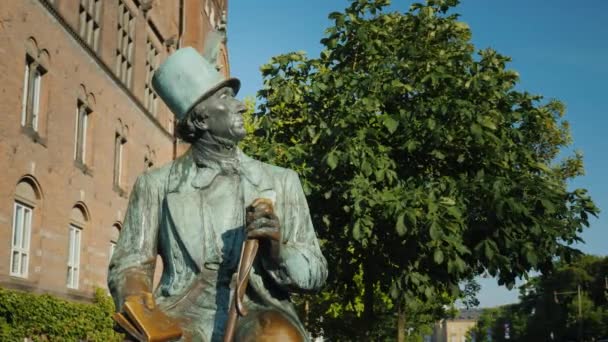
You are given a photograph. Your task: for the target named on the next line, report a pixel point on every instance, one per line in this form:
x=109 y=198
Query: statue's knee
x=267 y=326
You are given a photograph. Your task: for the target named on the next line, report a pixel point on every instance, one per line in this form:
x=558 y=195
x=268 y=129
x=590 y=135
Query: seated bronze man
x=197 y=211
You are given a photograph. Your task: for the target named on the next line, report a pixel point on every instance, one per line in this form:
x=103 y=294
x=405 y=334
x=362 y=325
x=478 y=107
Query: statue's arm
x=300 y=265
x=132 y=266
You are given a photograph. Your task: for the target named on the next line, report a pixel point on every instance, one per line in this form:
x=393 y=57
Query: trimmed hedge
x=47 y=318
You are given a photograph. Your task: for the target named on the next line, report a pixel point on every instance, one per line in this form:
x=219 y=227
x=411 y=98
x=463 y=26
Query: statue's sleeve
x=132 y=266
x=301 y=264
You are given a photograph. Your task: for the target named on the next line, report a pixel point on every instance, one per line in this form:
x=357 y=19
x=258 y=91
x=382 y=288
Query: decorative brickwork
x=61 y=97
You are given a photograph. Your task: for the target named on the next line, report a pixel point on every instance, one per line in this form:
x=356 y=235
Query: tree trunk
x=368 y=297
x=401 y=323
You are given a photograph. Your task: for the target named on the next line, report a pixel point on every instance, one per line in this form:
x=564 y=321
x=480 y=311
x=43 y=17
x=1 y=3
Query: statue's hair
x=186 y=128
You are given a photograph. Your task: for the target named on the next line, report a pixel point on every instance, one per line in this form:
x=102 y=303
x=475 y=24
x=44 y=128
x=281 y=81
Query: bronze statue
x=204 y=213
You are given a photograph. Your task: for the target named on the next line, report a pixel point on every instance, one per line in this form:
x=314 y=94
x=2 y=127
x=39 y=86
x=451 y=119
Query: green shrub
x=47 y=318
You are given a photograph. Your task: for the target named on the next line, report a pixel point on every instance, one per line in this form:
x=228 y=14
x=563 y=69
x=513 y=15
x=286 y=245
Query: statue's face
x=225 y=115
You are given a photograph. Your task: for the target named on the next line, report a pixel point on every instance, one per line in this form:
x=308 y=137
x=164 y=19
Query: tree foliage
x=549 y=306
x=424 y=165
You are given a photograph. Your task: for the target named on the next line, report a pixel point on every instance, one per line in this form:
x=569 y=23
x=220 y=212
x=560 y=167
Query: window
x=120 y=140
x=83 y=131
x=119 y=143
x=148 y=163
x=150 y=97
x=212 y=20
x=207 y=7
x=149 y=158
x=32 y=82
x=22 y=226
x=73 y=256
x=171 y=126
x=78 y=220
x=89 y=19
x=210 y=13
x=80 y=133
x=124 y=49
x=27 y=197
x=35 y=91
x=112 y=248
x=113 y=238
x=222 y=62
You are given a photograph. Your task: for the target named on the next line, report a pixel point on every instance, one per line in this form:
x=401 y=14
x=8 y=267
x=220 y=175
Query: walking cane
x=248 y=253
x=275 y=326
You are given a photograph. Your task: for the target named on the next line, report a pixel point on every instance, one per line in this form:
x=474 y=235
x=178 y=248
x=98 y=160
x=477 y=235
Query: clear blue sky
x=559 y=48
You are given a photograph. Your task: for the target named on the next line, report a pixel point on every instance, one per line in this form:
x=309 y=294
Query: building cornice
x=104 y=67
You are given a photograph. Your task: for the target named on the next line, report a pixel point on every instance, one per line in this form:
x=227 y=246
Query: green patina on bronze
x=192 y=212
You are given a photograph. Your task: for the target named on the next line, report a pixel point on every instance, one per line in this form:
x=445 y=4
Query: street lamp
x=580 y=307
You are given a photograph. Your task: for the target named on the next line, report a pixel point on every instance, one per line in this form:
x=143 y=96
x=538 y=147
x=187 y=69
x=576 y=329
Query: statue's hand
x=263 y=224
x=146 y=321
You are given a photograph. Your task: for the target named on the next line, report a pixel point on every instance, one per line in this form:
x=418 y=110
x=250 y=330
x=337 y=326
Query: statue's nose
x=240 y=107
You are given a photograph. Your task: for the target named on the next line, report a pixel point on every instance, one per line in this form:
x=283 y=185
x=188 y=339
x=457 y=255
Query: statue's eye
x=226 y=93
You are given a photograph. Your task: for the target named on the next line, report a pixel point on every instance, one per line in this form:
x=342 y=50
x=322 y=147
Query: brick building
x=78 y=122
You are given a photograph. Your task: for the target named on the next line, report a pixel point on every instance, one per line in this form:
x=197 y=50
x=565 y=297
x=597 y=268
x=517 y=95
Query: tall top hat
x=186 y=78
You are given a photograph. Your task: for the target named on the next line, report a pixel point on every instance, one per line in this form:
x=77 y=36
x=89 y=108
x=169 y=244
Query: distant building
x=78 y=122
x=455 y=329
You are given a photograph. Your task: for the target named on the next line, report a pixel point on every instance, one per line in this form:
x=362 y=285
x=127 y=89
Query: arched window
x=149 y=158
x=120 y=139
x=27 y=196
x=78 y=220
x=116 y=227
x=83 y=144
x=34 y=90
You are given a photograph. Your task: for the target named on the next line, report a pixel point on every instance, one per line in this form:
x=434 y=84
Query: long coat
x=167 y=216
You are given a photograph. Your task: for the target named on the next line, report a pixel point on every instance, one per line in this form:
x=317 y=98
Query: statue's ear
x=200 y=122
x=199 y=118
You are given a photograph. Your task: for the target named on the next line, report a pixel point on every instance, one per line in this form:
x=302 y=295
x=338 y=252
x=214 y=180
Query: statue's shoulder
x=160 y=172
x=152 y=179
x=277 y=170
x=273 y=170
x=158 y=176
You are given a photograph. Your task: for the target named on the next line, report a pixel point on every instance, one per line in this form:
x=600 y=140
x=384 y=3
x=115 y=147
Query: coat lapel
x=256 y=182
x=185 y=204
x=185 y=208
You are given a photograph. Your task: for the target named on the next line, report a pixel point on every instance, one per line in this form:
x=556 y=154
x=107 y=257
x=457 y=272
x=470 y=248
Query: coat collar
x=187 y=209
x=186 y=176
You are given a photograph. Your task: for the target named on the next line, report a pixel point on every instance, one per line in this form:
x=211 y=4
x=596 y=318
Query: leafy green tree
x=423 y=164
x=552 y=303
x=491 y=325
x=549 y=305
